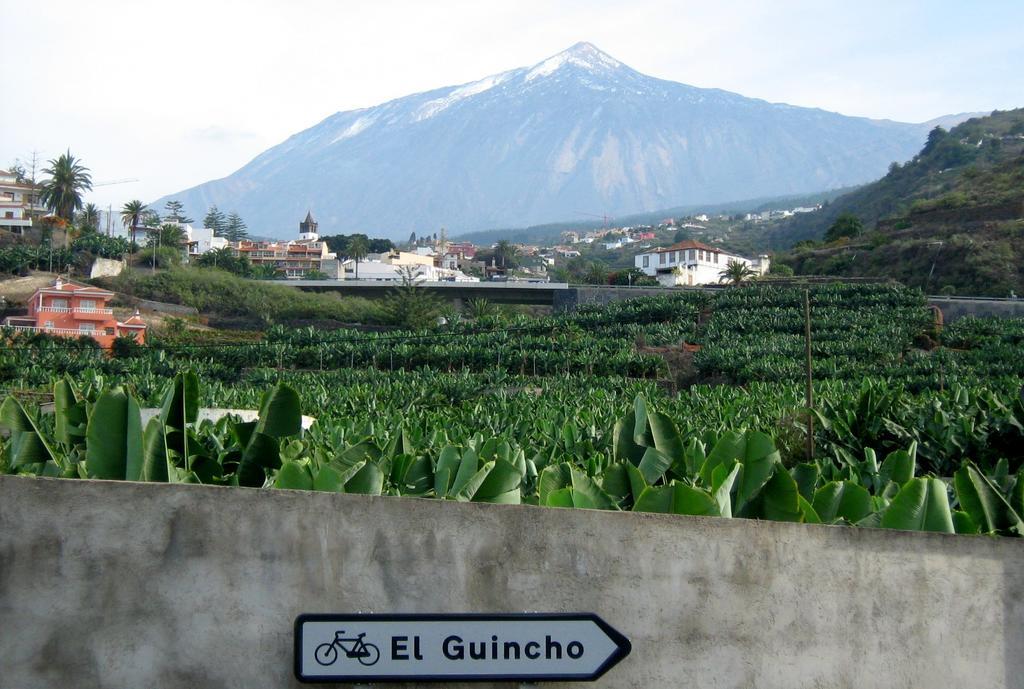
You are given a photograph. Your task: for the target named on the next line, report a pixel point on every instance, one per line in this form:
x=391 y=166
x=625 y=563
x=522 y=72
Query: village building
x=692 y=263
x=391 y=267
x=199 y=240
x=295 y=258
x=19 y=204
x=68 y=309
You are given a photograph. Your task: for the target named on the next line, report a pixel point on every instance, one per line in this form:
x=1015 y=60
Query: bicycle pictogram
x=366 y=654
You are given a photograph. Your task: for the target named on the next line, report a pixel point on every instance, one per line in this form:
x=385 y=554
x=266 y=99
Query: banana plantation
x=910 y=425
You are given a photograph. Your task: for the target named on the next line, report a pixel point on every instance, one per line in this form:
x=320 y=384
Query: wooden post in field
x=809 y=400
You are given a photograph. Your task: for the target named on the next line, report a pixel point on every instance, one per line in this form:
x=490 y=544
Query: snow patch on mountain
x=432 y=107
x=582 y=55
x=355 y=128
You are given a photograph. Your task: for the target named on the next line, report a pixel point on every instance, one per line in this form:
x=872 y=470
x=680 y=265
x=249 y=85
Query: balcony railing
x=77 y=309
x=54 y=331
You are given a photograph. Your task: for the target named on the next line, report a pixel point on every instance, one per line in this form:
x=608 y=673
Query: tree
x=410 y=305
x=62 y=193
x=480 y=308
x=357 y=250
x=131 y=216
x=506 y=253
x=169 y=235
x=597 y=274
x=18 y=170
x=735 y=272
x=266 y=271
x=88 y=219
x=631 y=276
x=150 y=218
x=935 y=137
x=235 y=228
x=215 y=221
x=174 y=211
x=846 y=225
x=225 y=259
x=101 y=245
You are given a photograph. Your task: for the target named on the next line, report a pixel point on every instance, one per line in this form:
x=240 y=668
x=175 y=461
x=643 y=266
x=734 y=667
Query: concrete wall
x=135 y=585
x=954 y=309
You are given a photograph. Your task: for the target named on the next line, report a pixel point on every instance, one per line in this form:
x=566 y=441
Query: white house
x=692 y=263
x=390 y=267
x=18 y=203
x=202 y=239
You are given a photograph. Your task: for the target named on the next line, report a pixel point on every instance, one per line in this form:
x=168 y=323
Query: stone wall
x=108 y=584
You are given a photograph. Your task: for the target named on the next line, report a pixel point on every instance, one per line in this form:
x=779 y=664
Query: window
x=661 y=258
x=716 y=257
x=59 y=303
x=87 y=304
x=87 y=328
x=48 y=324
x=647 y=261
x=692 y=254
x=9 y=215
x=108 y=331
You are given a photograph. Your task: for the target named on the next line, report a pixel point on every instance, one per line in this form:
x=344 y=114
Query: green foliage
x=174 y=211
x=221 y=293
x=235 y=229
x=62 y=192
x=101 y=245
x=132 y=216
x=225 y=259
x=846 y=225
x=215 y=220
x=651 y=466
x=339 y=244
x=163 y=257
x=408 y=305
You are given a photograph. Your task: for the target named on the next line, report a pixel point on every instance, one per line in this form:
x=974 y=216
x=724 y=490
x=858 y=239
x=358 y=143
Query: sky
x=173 y=94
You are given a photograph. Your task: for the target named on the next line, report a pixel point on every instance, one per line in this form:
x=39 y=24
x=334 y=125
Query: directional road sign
x=530 y=647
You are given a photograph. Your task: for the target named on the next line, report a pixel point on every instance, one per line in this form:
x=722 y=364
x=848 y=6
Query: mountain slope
x=579 y=132
x=953 y=217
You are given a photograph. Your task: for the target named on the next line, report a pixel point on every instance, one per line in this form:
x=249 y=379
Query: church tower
x=307 y=229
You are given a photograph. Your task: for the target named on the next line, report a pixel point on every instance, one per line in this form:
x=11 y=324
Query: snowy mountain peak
x=536 y=144
x=583 y=54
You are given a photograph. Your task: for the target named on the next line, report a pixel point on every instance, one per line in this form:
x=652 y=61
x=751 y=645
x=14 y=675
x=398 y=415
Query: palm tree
x=62 y=193
x=89 y=219
x=735 y=272
x=505 y=252
x=358 y=248
x=131 y=214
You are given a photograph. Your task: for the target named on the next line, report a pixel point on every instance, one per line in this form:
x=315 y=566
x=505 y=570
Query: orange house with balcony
x=68 y=309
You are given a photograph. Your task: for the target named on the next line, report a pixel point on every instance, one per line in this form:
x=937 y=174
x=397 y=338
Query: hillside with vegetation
x=950 y=220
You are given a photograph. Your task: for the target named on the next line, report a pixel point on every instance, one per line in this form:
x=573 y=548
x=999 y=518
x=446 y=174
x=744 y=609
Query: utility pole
x=809 y=397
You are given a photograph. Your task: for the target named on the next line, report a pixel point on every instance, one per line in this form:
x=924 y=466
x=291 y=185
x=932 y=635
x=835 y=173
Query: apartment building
x=295 y=258
x=19 y=204
x=68 y=309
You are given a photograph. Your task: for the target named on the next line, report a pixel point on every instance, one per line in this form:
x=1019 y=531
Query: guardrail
x=943 y=297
